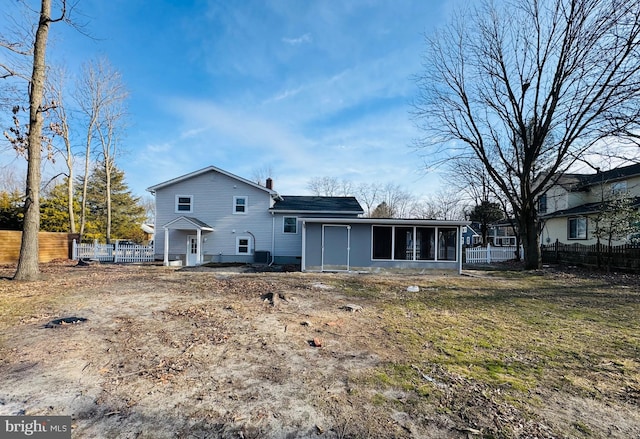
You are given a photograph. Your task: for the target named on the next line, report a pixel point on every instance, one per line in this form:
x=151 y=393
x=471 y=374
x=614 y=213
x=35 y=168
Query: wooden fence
x=52 y=245
x=118 y=253
x=489 y=254
x=618 y=257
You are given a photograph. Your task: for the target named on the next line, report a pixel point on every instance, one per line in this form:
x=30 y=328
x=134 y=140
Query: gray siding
x=287 y=244
x=213 y=195
x=360 y=254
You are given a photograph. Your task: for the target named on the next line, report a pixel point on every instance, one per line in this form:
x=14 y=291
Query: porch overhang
x=186 y=223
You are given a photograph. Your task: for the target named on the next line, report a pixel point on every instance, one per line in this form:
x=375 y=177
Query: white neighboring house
x=567 y=210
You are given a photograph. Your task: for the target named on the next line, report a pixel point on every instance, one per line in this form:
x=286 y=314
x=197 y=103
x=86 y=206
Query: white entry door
x=192 y=250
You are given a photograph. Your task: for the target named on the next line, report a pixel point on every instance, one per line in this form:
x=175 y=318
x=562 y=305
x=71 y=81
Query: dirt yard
x=168 y=353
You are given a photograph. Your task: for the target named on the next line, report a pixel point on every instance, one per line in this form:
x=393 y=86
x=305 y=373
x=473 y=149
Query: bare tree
x=29 y=250
x=529 y=87
x=399 y=201
x=331 y=187
x=369 y=194
x=110 y=129
x=101 y=95
x=260 y=175
x=62 y=129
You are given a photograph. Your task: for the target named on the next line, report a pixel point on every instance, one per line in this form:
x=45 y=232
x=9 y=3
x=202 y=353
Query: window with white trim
x=243 y=245
x=289 y=224
x=184 y=203
x=414 y=243
x=577 y=227
x=240 y=205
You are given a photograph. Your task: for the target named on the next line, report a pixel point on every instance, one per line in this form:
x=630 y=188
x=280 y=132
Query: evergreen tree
x=11 y=212
x=54 y=209
x=382 y=210
x=127 y=211
x=486 y=213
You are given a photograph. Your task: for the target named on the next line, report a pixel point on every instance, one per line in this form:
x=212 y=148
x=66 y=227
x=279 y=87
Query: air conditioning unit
x=262 y=257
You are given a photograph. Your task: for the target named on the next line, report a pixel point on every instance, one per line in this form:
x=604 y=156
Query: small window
x=619 y=187
x=184 y=203
x=577 y=228
x=290 y=224
x=240 y=205
x=542 y=203
x=243 y=245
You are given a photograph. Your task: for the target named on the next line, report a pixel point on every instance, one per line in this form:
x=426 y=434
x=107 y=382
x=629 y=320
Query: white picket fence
x=119 y=253
x=489 y=254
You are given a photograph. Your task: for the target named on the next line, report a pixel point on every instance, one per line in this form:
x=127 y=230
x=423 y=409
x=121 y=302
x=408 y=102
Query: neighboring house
x=568 y=209
x=211 y=215
x=470 y=237
x=149 y=231
x=502 y=233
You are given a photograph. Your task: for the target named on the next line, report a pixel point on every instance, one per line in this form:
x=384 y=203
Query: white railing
x=489 y=254
x=113 y=252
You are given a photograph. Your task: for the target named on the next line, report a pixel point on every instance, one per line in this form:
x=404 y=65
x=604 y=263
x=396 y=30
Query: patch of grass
x=517 y=332
x=358 y=287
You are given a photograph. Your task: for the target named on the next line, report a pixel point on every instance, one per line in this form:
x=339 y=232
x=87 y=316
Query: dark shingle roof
x=308 y=204
x=610 y=175
x=584 y=209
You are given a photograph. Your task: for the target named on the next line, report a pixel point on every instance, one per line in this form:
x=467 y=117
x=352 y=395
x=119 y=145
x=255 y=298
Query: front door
x=192 y=250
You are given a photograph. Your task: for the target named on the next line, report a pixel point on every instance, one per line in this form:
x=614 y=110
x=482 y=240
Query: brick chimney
x=269 y=183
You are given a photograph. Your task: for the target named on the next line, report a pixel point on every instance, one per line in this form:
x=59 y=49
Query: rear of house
x=369 y=244
x=211 y=215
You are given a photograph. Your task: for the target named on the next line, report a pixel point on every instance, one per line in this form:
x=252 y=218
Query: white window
x=290 y=224
x=577 y=228
x=184 y=203
x=240 y=205
x=243 y=245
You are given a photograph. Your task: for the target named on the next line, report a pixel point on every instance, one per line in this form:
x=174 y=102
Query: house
x=470 y=236
x=211 y=215
x=568 y=209
x=502 y=233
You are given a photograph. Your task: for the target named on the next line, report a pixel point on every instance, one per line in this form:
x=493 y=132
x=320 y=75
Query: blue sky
x=308 y=88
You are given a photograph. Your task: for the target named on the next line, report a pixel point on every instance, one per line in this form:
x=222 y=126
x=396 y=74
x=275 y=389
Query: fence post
x=488 y=253
x=115 y=252
x=74 y=250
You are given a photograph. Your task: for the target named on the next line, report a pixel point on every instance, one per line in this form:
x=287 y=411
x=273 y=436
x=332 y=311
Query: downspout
x=304 y=246
x=273 y=238
x=460 y=249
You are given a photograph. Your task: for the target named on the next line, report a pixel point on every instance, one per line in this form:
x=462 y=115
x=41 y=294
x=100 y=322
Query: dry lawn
x=171 y=353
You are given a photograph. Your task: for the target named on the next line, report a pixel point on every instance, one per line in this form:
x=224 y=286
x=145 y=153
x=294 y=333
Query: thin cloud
x=306 y=38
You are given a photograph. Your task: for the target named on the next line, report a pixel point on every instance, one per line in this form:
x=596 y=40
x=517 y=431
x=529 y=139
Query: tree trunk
x=108 y=168
x=28 y=261
x=72 y=217
x=530 y=239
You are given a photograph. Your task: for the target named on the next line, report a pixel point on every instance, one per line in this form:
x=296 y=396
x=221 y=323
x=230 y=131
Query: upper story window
x=542 y=203
x=618 y=187
x=577 y=227
x=240 y=205
x=184 y=203
x=290 y=224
